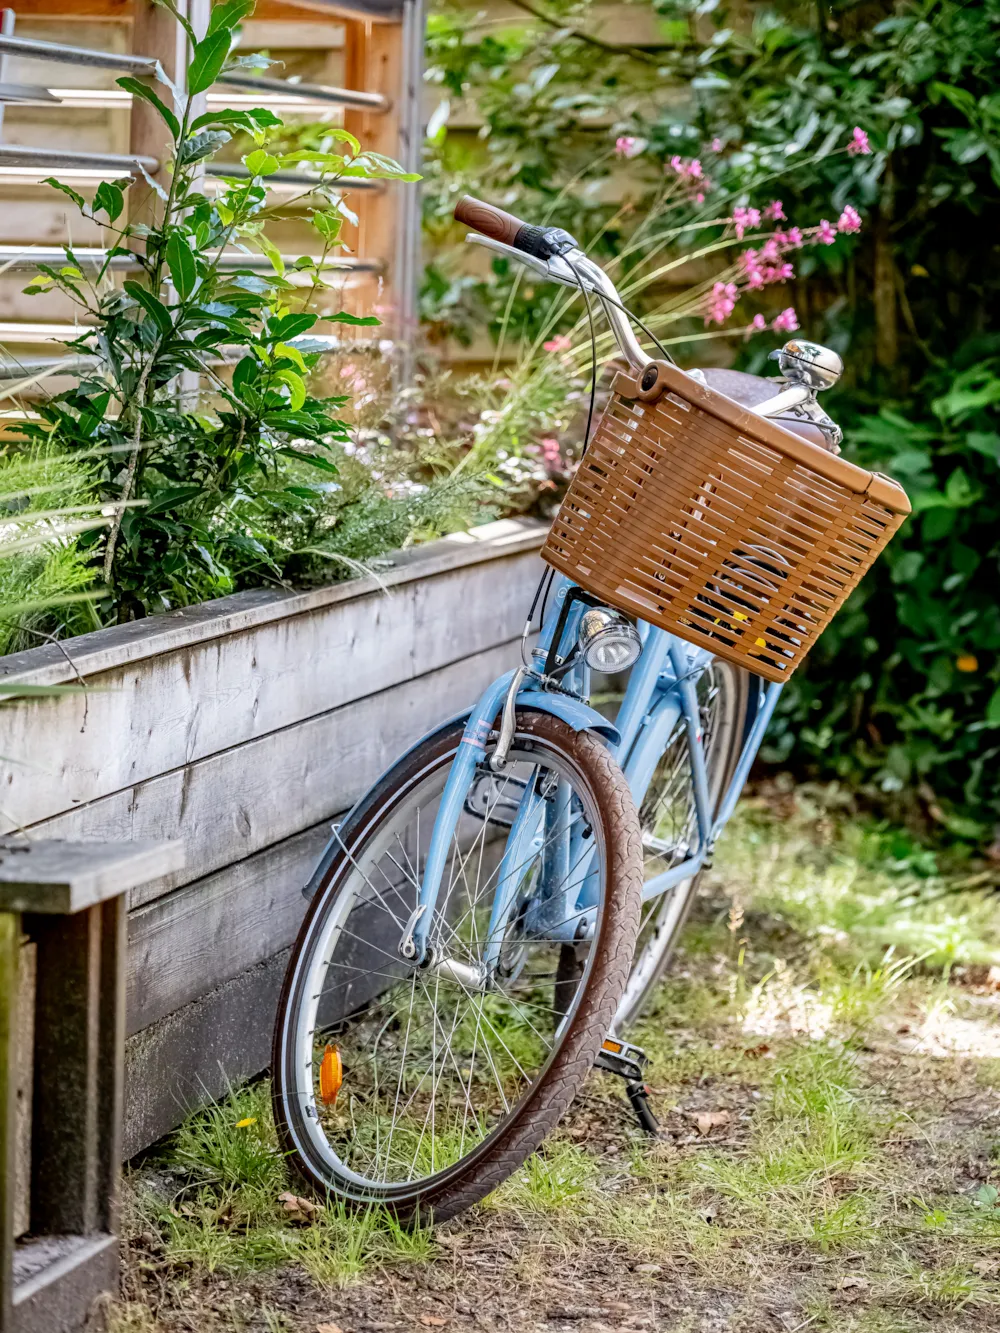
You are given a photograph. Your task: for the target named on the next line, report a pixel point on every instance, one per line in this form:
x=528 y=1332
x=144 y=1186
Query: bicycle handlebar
x=807 y=367
x=489 y=220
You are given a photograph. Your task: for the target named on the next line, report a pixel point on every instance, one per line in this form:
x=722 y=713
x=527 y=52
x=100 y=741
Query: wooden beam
x=121 y=10
x=373 y=59
x=112 y=10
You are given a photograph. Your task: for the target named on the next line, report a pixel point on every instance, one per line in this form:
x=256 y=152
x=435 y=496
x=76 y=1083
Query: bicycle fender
x=575 y=713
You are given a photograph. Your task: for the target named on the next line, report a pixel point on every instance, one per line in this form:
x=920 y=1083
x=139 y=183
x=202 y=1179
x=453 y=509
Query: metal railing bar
x=78 y=365
x=28 y=92
x=31 y=49
x=115 y=99
x=239 y=172
x=16 y=257
x=24 y=155
x=316 y=92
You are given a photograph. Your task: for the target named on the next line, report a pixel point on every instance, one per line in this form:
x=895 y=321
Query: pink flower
x=347 y=370
x=750 y=259
x=786 y=322
x=770 y=251
x=849 y=220
x=859 y=145
x=774 y=211
x=550 y=452
x=745 y=219
x=722 y=302
x=689 y=170
x=717 y=145
x=793 y=237
x=627 y=145
x=757 y=325
x=562 y=342
x=699 y=198
x=825 y=234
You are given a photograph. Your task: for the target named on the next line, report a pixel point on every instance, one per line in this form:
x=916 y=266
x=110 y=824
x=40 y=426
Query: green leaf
x=273 y=253
x=139 y=89
x=255 y=119
x=328 y=225
x=993 y=709
x=109 y=199
x=157 y=311
x=293 y=354
x=182 y=265
x=229 y=13
x=363 y=321
x=78 y=199
x=290 y=326
x=208 y=59
x=260 y=163
x=330 y=162
x=296 y=388
x=196 y=147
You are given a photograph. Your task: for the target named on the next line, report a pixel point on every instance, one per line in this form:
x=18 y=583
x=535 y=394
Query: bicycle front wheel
x=423 y=1087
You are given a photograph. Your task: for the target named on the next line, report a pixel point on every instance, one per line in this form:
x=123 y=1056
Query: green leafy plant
x=200 y=397
x=900 y=695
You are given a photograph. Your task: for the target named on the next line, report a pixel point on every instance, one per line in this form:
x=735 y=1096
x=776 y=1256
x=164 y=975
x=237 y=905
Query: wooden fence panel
x=244 y=727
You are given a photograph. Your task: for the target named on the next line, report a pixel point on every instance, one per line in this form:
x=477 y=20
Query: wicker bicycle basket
x=695 y=514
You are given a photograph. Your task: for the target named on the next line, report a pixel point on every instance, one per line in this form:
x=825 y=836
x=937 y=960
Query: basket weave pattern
x=720 y=526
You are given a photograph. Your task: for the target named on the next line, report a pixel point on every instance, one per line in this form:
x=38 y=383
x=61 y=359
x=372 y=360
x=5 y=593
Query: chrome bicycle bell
x=810 y=364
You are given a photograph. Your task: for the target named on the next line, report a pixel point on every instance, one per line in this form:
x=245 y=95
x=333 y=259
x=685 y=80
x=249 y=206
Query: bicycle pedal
x=627 y=1061
x=622 y=1058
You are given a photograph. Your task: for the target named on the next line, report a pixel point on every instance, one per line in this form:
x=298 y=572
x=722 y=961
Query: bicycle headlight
x=608 y=642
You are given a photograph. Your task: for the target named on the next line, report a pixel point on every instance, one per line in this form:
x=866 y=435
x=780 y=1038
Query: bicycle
x=494 y=914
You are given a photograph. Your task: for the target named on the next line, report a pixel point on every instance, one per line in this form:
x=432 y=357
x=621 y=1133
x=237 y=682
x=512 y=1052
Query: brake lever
x=543 y=267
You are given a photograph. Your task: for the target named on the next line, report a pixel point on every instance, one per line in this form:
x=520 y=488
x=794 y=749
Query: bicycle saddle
x=752 y=389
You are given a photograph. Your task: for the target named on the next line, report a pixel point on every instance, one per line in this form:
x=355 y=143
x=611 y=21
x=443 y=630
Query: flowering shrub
x=881 y=126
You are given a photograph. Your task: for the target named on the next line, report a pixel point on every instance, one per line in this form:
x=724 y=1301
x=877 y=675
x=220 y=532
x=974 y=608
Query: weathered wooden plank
x=121 y=645
x=65 y=877
x=235 y=803
x=191 y=941
x=199 y=1052
x=183 y=706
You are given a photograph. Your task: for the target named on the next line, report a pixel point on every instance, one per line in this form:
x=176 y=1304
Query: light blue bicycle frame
x=662 y=689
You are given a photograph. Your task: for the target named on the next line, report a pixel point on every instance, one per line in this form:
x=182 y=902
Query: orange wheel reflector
x=331 y=1075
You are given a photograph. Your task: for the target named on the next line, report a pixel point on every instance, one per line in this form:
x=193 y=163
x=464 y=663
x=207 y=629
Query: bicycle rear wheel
x=422 y=1088
x=669 y=825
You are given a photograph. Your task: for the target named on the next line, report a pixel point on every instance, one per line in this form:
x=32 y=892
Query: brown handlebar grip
x=488 y=220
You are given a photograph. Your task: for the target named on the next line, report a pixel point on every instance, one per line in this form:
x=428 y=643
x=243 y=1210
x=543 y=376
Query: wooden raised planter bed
x=243 y=727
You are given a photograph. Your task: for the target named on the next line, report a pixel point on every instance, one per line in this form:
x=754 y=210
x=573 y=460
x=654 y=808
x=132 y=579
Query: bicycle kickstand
x=628 y=1062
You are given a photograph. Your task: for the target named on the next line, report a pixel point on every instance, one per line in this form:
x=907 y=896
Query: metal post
x=7 y=21
x=408 y=233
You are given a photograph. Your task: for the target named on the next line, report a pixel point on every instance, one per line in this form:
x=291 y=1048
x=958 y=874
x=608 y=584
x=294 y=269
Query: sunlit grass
x=227 y=1213
x=839 y=1175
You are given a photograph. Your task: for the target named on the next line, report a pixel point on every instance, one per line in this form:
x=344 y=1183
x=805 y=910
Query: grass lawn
x=826 y=1066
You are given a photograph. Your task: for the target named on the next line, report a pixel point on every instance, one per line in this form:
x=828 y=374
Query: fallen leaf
x=329 y=1328
x=246 y=1122
x=756 y=1052
x=993 y=978
x=433 y=1321
x=706 y=1121
x=296 y=1205
x=648 y=1268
